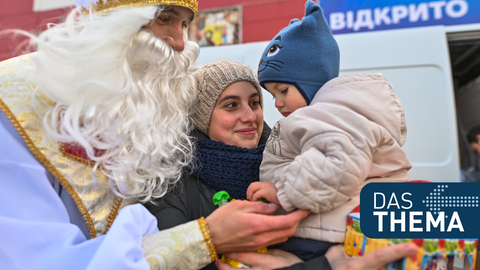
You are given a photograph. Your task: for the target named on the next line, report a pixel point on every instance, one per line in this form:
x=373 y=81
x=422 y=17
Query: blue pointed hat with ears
x=304 y=54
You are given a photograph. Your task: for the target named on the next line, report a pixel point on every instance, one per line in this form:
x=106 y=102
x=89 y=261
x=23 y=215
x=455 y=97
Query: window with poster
x=217 y=27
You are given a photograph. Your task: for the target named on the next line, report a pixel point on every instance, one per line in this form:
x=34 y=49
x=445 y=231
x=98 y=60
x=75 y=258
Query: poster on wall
x=217 y=27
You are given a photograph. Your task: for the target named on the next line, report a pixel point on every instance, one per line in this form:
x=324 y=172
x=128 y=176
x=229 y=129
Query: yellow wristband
x=208 y=238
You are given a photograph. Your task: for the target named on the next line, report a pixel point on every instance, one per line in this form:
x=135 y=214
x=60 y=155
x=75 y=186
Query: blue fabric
x=304 y=54
x=36 y=229
x=228 y=167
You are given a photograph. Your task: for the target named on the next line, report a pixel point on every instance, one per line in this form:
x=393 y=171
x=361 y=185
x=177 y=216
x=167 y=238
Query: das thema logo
x=420 y=210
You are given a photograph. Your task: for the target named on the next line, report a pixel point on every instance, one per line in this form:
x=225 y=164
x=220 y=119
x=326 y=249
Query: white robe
x=36 y=231
x=35 y=228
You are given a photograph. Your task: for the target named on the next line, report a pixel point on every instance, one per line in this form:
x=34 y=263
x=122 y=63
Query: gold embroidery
x=208 y=238
x=95 y=200
x=45 y=99
x=73 y=157
x=179 y=248
x=102 y=7
x=50 y=168
x=113 y=213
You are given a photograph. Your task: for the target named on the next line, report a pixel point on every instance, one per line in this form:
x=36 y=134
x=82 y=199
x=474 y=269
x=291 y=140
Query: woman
x=230 y=133
x=229 y=129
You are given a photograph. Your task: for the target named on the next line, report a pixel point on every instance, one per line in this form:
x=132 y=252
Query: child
x=339 y=133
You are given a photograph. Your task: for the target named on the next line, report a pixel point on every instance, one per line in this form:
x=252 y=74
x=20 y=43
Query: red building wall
x=261 y=19
x=19 y=14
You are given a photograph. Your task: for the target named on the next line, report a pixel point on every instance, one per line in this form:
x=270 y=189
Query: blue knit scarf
x=227 y=167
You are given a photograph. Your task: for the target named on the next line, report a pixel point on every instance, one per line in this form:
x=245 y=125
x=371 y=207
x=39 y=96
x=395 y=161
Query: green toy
x=221 y=198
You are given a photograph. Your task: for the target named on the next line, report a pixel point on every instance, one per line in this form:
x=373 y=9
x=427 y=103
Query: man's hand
x=339 y=260
x=275 y=258
x=266 y=190
x=246 y=226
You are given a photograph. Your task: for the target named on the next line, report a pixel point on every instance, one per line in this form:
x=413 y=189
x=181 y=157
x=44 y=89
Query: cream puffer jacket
x=320 y=156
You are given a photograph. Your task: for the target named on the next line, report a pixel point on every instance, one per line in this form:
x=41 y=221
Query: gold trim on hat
x=107 y=6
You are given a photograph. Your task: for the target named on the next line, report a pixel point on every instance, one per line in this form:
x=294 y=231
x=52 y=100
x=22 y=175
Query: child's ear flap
x=294 y=21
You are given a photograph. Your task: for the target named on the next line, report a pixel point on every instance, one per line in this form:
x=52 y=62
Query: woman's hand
x=339 y=260
x=266 y=190
x=246 y=226
x=275 y=258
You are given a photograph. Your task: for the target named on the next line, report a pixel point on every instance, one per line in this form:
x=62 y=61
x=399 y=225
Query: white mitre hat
x=106 y=6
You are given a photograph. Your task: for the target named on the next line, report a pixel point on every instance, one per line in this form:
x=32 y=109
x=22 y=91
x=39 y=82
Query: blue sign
x=420 y=210
x=350 y=16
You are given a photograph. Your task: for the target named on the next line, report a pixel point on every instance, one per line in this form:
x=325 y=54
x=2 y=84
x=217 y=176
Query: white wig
x=120 y=90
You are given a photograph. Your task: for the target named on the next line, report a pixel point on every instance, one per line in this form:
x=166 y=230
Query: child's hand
x=266 y=190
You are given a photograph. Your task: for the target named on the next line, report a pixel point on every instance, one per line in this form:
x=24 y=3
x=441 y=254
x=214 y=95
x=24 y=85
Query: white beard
x=134 y=103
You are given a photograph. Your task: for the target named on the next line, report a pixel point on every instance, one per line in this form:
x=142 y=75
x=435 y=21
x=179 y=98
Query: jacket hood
x=371 y=96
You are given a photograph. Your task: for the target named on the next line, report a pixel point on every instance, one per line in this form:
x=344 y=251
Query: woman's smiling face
x=237 y=118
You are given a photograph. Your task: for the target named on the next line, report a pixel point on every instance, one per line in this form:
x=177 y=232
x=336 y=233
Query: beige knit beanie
x=211 y=80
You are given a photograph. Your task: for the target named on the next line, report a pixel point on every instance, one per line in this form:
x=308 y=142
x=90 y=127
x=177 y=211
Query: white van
x=421 y=63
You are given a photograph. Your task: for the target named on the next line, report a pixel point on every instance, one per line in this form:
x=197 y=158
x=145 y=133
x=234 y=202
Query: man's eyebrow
x=174 y=12
x=171 y=10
